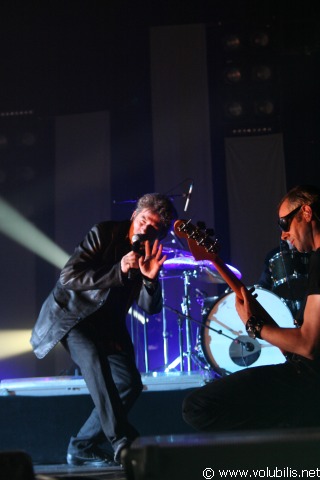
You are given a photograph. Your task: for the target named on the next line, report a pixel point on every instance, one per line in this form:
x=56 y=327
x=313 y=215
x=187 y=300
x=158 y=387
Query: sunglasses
x=285 y=222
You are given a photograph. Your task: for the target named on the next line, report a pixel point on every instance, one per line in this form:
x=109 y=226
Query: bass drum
x=224 y=341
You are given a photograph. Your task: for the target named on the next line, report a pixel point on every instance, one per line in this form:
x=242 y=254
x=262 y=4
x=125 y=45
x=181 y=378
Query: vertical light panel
x=82 y=175
x=180 y=116
x=256 y=182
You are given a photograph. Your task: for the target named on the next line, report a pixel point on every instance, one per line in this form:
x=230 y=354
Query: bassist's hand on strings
x=245 y=305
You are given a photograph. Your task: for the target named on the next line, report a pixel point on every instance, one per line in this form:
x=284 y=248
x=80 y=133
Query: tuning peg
x=201 y=225
x=210 y=232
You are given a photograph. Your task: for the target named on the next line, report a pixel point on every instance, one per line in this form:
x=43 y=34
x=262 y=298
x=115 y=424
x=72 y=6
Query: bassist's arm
x=303 y=341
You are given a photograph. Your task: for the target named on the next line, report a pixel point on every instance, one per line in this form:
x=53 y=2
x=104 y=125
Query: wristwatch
x=254 y=326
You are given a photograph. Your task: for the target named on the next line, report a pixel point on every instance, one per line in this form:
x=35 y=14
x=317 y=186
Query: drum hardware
x=244 y=351
x=294 y=306
x=185 y=266
x=205 y=269
x=207 y=304
x=182 y=265
x=137 y=314
x=182 y=354
x=289 y=273
x=185 y=307
x=165 y=334
x=145 y=339
x=244 y=343
x=185 y=314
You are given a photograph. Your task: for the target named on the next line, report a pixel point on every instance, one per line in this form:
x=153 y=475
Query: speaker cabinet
x=16 y=466
x=255 y=454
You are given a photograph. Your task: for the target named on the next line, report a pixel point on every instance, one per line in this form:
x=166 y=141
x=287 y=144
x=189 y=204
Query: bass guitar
x=203 y=247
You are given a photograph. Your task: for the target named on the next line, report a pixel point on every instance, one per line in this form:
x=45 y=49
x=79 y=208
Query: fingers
x=129 y=261
x=249 y=293
x=147 y=249
x=153 y=259
x=155 y=252
x=251 y=290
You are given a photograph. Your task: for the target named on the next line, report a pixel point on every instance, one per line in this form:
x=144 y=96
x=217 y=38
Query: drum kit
x=289 y=273
x=222 y=345
x=183 y=265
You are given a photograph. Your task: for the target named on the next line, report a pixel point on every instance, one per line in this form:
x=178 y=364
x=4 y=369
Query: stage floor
x=85 y=472
x=72 y=385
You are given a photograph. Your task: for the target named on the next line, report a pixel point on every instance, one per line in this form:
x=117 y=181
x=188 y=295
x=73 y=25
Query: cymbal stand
x=181 y=353
x=165 y=334
x=195 y=358
x=145 y=338
x=186 y=311
x=136 y=313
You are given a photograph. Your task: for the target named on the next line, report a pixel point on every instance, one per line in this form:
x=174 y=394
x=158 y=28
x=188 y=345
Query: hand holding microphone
x=130 y=262
x=144 y=257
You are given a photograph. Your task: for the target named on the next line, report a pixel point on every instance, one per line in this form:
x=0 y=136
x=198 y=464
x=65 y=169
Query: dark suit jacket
x=85 y=284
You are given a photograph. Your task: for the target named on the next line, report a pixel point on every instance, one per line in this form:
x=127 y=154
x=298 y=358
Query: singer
x=116 y=264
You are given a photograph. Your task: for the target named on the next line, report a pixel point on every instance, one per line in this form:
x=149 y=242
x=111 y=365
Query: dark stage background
x=102 y=101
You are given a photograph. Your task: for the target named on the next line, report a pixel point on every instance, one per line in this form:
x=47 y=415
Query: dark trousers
x=114 y=384
x=284 y=395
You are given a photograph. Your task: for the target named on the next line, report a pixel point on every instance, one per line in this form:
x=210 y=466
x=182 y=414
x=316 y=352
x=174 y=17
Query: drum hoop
x=294 y=276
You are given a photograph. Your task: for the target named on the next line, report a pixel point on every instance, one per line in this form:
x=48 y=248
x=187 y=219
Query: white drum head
x=228 y=348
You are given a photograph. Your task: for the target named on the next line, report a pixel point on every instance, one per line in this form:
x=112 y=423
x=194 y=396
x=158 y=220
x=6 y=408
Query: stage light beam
x=14 y=343
x=16 y=227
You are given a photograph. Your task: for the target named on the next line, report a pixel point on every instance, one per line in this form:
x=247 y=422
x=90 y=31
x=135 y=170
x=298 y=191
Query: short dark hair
x=304 y=195
x=163 y=206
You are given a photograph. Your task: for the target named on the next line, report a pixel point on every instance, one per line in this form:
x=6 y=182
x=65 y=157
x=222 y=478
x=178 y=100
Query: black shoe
x=120 y=451
x=91 y=458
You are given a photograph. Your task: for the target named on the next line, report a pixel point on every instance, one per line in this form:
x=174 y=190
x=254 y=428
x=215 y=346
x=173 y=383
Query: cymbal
x=180 y=263
x=176 y=252
x=205 y=270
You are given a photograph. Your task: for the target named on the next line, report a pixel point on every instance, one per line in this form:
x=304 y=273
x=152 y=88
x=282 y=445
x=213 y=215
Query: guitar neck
x=235 y=284
x=230 y=278
x=203 y=248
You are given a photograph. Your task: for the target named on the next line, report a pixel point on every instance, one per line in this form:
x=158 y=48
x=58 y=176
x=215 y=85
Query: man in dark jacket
x=116 y=264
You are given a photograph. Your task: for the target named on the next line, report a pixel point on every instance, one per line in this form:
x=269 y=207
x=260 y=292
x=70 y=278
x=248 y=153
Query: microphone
x=136 y=241
x=188 y=197
x=249 y=346
x=136 y=247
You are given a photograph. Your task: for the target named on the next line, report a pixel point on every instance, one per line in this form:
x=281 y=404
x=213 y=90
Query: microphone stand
x=199 y=322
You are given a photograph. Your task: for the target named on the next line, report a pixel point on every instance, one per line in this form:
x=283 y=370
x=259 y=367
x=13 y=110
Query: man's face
x=147 y=223
x=299 y=233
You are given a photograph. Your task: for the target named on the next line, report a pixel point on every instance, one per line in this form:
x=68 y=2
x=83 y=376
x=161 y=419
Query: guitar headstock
x=200 y=241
